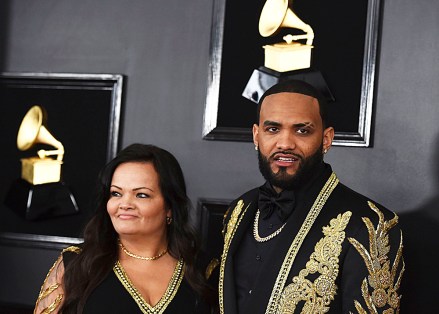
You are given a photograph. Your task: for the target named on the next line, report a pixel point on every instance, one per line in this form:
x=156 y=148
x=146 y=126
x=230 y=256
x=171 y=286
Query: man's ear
x=255 y=135
x=328 y=137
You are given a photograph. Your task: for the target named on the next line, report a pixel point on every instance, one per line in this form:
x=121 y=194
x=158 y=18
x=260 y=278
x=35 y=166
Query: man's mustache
x=286 y=152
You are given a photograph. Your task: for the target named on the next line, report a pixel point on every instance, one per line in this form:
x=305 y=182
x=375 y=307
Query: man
x=303 y=242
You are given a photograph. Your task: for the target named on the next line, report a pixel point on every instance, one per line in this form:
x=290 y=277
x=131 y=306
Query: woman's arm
x=51 y=294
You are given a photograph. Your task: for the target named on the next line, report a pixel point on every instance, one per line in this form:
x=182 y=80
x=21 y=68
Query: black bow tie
x=270 y=201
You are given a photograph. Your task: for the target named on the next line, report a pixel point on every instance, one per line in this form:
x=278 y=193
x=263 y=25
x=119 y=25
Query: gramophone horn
x=275 y=15
x=32 y=131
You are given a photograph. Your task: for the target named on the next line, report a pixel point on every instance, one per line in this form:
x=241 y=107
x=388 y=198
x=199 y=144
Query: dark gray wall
x=162 y=48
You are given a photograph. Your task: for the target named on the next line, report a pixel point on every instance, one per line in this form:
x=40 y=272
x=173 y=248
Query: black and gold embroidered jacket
x=339 y=252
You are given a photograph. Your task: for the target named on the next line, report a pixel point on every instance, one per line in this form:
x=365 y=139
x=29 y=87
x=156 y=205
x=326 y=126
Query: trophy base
x=285 y=57
x=40 y=170
x=33 y=202
x=263 y=78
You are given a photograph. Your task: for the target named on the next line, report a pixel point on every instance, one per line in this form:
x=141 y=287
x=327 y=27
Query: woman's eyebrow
x=143 y=187
x=135 y=189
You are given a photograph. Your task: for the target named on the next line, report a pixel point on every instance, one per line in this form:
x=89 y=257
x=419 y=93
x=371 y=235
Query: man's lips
x=285 y=160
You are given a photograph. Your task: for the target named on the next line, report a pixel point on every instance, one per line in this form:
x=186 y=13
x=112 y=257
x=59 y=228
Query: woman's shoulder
x=70 y=252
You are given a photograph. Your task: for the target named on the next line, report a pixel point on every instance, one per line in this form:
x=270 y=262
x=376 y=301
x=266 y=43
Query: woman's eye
x=115 y=194
x=142 y=195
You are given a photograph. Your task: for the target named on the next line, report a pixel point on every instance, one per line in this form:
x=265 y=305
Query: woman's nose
x=125 y=206
x=126 y=202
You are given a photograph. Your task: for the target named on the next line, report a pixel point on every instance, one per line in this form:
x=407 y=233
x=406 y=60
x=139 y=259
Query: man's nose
x=286 y=140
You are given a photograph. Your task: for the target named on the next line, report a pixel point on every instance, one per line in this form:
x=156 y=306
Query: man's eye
x=272 y=129
x=302 y=131
x=115 y=194
x=142 y=195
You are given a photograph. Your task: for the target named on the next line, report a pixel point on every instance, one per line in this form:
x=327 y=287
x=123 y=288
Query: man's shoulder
x=349 y=199
x=373 y=242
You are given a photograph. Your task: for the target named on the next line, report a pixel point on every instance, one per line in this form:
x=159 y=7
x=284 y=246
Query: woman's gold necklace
x=144 y=258
x=256 y=233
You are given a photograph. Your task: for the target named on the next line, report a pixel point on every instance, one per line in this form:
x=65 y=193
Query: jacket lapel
x=246 y=218
x=271 y=267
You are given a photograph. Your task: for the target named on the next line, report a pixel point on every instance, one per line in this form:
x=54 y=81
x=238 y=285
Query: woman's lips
x=126 y=216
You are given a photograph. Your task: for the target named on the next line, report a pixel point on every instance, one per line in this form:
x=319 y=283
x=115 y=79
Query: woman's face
x=136 y=205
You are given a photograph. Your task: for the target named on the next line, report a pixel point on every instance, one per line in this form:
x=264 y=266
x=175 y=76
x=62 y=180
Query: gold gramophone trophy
x=40 y=193
x=41 y=169
x=290 y=59
x=291 y=54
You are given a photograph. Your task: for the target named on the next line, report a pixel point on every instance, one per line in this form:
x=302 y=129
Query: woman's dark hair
x=100 y=249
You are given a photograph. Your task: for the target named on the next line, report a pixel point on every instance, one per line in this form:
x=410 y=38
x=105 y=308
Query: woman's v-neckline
x=166 y=298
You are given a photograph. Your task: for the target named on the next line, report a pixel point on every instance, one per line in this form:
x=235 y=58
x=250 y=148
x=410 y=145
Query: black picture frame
x=345 y=53
x=210 y=213
x=84 y=114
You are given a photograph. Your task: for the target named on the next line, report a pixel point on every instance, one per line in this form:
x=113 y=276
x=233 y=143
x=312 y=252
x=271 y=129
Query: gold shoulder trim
x=232 y=225
x=160 y=307
x=382 y=276
x=281 y=279
x=324 y=261
x=72 y=248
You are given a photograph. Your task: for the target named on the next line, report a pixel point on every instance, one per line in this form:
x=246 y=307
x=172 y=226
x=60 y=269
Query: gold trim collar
x=164 y=301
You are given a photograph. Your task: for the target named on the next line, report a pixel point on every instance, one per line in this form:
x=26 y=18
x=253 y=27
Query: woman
x=138 y=254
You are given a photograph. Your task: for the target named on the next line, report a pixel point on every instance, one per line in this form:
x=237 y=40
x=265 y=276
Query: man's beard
x=286 y=181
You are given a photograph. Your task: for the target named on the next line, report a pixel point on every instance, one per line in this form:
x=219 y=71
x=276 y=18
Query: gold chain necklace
x=144 y=258
x=256 y=233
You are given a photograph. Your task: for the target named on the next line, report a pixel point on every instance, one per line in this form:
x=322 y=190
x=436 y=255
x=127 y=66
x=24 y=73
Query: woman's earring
x=325 y=151
x=168 y=220
x=256 y=147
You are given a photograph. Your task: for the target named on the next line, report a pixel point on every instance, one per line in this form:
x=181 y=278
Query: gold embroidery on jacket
x=232 y=225
x=223 y=232
x=214 y=263
x=381 y=278
x=318 y=295
x=233 y=221
x=313 y=213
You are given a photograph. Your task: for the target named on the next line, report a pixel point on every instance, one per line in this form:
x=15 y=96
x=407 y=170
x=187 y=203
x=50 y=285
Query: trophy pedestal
x=263 y=78
x=48 y=200
x=283 y=57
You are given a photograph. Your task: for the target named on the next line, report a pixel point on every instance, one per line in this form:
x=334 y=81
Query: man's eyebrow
x=271 y=123
x=296 y=125
x=304 y=125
